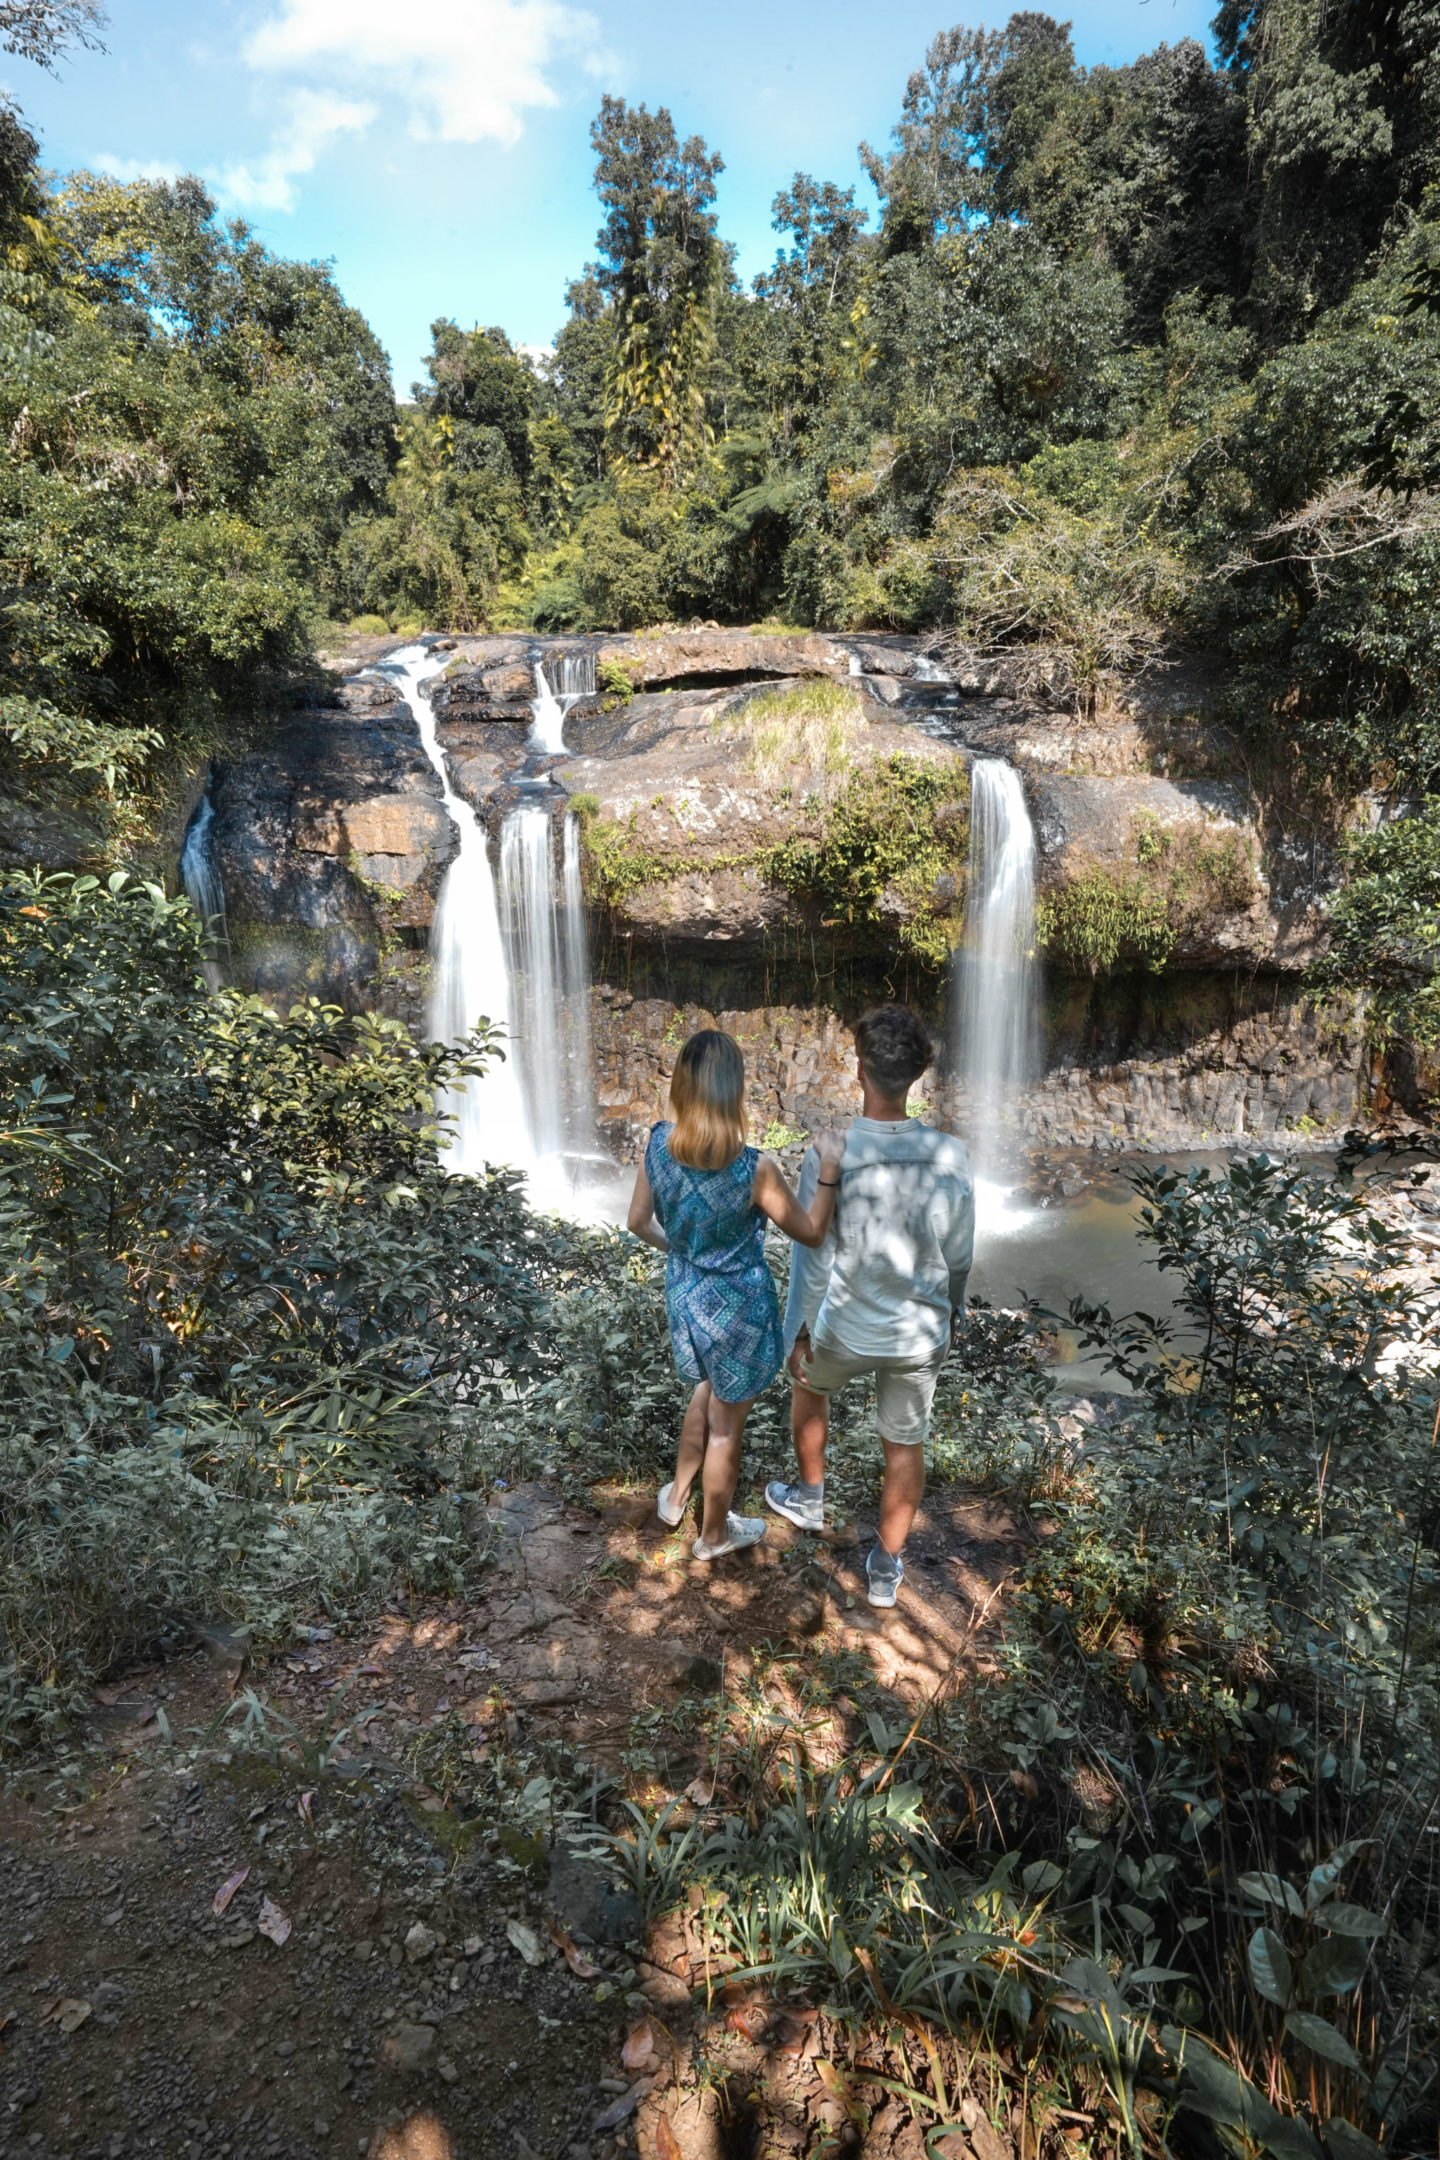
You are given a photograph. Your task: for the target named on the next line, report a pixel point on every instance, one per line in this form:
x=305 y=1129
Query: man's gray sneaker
x=884 y=1572
x=796 y=1505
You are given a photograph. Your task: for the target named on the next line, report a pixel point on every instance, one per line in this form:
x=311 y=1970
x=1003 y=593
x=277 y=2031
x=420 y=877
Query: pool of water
x=1086 y=1246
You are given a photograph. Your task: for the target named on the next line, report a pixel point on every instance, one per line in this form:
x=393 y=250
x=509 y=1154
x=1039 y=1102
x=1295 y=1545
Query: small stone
x=407 y=2046
x=322 y=2128
x=419 y=1943
x=447 y=2070
x=227 y=1647
x=472 y=1946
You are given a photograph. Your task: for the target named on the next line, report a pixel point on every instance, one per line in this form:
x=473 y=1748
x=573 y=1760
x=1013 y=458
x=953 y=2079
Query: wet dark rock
x=331 y=842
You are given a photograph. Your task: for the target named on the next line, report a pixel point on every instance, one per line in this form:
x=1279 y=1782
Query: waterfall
x=560 y=683
x=205 y=889
x=577 y=998
x=549 y=983
x=469 y=978
x=998 y=1020
x=515 y=951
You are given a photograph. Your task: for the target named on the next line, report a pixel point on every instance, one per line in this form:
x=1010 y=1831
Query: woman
x=702 y=1197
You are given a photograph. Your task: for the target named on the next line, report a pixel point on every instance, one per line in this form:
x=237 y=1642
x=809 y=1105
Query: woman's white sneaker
x=740 y=1531
x=665 y=1506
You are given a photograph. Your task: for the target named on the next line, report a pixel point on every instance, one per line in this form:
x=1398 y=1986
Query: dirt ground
x=378 y=1981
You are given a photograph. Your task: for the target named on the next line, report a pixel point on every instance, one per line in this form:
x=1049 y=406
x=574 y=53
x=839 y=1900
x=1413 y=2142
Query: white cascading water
x=469 y=978
x=998 y=1017
x=505 y=952
x=549 y=989
x=559 y=683
x=204 y=888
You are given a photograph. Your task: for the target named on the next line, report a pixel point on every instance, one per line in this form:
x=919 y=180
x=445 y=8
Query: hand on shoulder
x=830 y=1147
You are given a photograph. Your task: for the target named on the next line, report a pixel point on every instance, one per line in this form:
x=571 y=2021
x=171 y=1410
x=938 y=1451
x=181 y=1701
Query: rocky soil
x=258 y=1917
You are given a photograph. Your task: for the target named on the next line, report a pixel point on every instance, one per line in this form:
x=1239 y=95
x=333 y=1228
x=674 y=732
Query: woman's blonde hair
x=707 y=1096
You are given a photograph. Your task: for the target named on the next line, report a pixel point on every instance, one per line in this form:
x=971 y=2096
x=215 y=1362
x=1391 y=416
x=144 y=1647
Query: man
x=882 y=1293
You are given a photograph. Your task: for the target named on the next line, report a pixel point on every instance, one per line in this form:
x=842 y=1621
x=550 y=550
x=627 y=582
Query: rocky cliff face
x=332 y=841
x=1178 y=911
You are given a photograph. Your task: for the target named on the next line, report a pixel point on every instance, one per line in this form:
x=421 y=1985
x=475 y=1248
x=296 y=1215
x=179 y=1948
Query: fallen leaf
x=621 y=2110
x=526 y=1941
x=582 y=1967
x=792 y=2029
x=273 y=1922
x=305 y=1806
x=70 y=2013
x=227 y=1891
x=834 y=2081
x=702 y=1791
x=749 y=2020
x=667 y=2145
x=638 y=2053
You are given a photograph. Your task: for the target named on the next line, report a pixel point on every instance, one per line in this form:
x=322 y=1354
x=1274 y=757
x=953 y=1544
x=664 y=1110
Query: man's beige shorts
x=904 y=1386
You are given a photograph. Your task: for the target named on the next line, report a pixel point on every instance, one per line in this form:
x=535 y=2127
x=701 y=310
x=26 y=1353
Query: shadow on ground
x=388 y=1975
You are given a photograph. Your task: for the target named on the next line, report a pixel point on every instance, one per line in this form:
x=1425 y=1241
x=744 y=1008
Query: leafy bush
x=1385 y=928
x=1164 y=1854
x=1172 y=884
x=894 y=843
x=234 y=1273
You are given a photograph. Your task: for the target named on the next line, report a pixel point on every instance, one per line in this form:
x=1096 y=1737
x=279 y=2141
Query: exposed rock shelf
x=333 y=842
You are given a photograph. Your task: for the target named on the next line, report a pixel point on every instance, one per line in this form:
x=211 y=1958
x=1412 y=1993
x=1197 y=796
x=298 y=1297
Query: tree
x=660 y=267
x=190 y=424
x=807 y=300
x=40 y=30
x=1343 y=123
x=485 y=388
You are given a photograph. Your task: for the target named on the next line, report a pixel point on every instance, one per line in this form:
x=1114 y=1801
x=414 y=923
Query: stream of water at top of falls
x=998 y=1021
x=512 y=950
x=559 y=682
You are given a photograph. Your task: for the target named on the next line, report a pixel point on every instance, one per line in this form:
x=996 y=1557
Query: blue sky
x=438 y=150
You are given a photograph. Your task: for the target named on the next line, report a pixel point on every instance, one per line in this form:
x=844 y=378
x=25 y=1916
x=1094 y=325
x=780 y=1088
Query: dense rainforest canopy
x=1130 y=358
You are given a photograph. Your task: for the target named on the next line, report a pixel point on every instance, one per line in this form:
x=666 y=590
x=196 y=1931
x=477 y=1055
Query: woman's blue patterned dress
x=719 y=1295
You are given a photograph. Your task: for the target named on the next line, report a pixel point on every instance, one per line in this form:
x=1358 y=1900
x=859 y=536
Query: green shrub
x=893 y=846
x=1102 y=917
x=234 y=1277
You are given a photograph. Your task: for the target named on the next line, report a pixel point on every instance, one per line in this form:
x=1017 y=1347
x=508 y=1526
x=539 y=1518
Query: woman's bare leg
x=725 y=1423
x=691 y=1451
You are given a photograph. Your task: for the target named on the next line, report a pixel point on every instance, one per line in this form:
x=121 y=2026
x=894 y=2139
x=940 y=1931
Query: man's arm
x=809 y=1269
x=959 y=1245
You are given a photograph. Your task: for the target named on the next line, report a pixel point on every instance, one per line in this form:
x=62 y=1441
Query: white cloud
x=130 y=169
x=311 y=121
x=458 y=70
